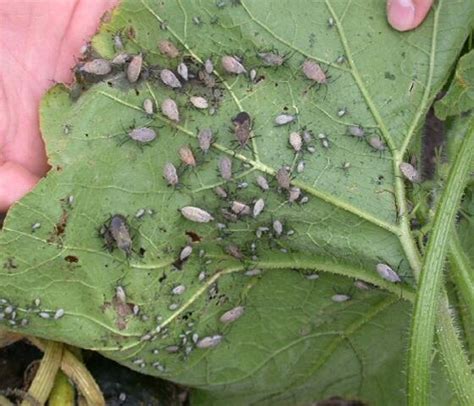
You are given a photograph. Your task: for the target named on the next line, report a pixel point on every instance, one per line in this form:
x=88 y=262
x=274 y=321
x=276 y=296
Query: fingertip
x=15 y=182
x=404 y=15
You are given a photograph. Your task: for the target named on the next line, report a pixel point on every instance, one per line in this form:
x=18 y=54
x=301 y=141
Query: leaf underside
x=293 y=344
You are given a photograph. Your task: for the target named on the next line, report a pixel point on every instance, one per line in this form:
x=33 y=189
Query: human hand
x=38 y=43
x=404 y=15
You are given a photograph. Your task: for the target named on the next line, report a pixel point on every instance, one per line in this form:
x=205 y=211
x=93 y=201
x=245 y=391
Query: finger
x=15 y=182
x=404 y=15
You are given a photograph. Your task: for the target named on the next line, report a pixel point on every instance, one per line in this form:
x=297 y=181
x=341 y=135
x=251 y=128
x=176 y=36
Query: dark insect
x=116 y=234
x=242 y=127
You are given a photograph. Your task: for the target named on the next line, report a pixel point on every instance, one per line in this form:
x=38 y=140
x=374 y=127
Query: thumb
x=404 y=15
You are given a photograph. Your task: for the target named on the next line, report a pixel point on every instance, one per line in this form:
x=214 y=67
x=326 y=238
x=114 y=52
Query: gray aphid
x=185 y=252
x=313 y=71
x=121 y=58
x=134 y=68
x=167 y=48
x=178 y=290
x=187 y=156
x=341 y=59
x=262 y=183
x=300 y=166
x=295 y=141
x=142 y=134
x=376 y=143
x=170 y=79
x=148 y=107
x=44 y=315
x=271 y=59
x=209 y=342
x=232 y=314
x=118 y=229
x=225 y=168
x=232 y=65
x=140 y=213
x=294 y=194
x=59 y=313
x=199 y=102
x=278 y=227
x=258 y=207
x=208 y=66
x=361 y=285
x=304 y=199
x=170 y=109
x=118 y=44
x=120 y=294
x=252 y=74
x=312 y=276
x=339 y=298
x=233 y=250
x=331 y=22
x=409 y=171
x=97 y=67
x=173 y=306
x=170 y=174
x=35 y=226
x=342 y=112
x=387 y=273
x=283 y=119
x=240 y=208
x=196 y=214
x=356 y=131
x=37 y=302
x=253 y=272
x=183 y=71
x=219 y=191
x=307 y=136
x=283 y=178
x=205 y=139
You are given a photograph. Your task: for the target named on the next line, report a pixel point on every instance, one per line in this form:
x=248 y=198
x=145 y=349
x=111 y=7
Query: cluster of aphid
x=116 y=232
x=9 y=313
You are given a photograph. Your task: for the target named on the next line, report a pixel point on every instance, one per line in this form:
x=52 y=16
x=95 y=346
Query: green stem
x=463 y=277
x=426 y=304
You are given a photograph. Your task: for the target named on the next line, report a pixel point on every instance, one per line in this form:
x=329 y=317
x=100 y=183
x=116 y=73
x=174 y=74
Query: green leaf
x=292 y=337
x=460 y=96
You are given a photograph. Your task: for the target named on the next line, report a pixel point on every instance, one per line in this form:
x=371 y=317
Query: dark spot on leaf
x=162 y=277
x=194 y=236
x=59 y=168
x=71 y=259
x=141 y=251
x=389 y=76
x=10 y=263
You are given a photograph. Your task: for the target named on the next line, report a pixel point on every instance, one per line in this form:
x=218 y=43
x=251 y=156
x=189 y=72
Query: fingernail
x=401 y=14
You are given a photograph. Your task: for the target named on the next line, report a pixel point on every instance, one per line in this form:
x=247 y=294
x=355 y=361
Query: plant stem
x=463 y=277
x=44 y=379
x=426 y=304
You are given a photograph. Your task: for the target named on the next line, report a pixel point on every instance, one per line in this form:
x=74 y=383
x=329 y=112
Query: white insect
x=183 y=71
x=283 y=119
x=196 y=214
x=170 y=79
x=209 y=342
x=258 y=207
x=232 y=314
x=185 y=252
x=199 y=102
x=170 y=109
x=387 y=273
x=232 y=65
